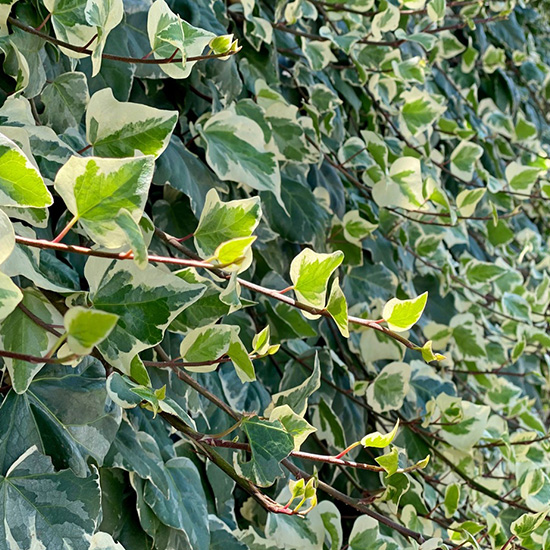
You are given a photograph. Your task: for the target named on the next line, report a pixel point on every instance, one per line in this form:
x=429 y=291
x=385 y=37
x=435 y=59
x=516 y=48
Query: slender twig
x=123 y=59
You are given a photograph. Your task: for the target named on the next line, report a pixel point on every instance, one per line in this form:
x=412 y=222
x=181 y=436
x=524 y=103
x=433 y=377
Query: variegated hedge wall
x=274 y=275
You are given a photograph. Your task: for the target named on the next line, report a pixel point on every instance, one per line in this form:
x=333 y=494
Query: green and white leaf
x=86 y=328
x=401 y=315
x=388 y=390
x=119 y=129
x=42 y=508
x=237 y=151
x=96 y=189
x=21 y=184
x=146 y=301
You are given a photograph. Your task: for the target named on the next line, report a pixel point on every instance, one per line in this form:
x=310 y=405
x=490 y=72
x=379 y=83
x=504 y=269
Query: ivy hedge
x=274 y=275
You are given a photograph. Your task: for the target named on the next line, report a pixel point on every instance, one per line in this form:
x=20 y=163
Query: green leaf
x=43 y=507
x=338 y=308
x=65 y=412
x=452 y=499
x=118 y=129
x=436 y=10
x=146 y=301
x=96 y=189
x=387 y=391
x=224 y=221
x=232 y=254
x=65 y=100
x=237 y=151
x=401 y=315
x=269 y=444
x=310 y=272
x=21 y=184
x=389 y=461
x=86 y=328
x=378 y=440
x=20 y=334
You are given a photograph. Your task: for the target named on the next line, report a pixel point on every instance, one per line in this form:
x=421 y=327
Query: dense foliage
x=274 y=274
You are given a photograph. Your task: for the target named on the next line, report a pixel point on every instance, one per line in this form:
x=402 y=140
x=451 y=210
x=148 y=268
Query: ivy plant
x=274 y=274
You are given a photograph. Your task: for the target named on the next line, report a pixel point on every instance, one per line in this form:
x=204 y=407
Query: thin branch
x=123 y=59
x=200 y=264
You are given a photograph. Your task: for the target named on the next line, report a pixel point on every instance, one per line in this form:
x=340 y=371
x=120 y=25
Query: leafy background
x=274 y=274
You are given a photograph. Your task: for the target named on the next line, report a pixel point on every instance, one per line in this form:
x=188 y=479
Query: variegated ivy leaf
x=43 y=508
x=104 y=16
x=467 y=200
x=388 y=390
x=236 y=150
x=21 y=184
x=526 y=524
x=389 y=461
x=234 y=253
x=211 y=343
x=493 y=59
x=364 y=531
x=224 y=221
x=184 y=509
x=296 y=398
x=387 y=19
x=20 y=334
x=318 y=54
x=401 y=315
x=134 y=237
x=104 y=541
x=420 y=110
x=269 y=443
x=535 y=489
x=10 y=295
x=338 y=308
x=65 y=100
x=70 y=24
x=146 y=302
x=169 y=35
x=5 y=9
x=96 y=189
x=452 y=498
x=449 y=45
x=288 y=129
x=462 y=422
x=378 y=440
x=87 y=327
x=7 y=237
x=118 y=129
x=356 y=228
x=310 y=273
x=294 y=424
x=464 y=158
x=522 y=178
x=77 y=434
x=403 y=186
x=436 y=10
